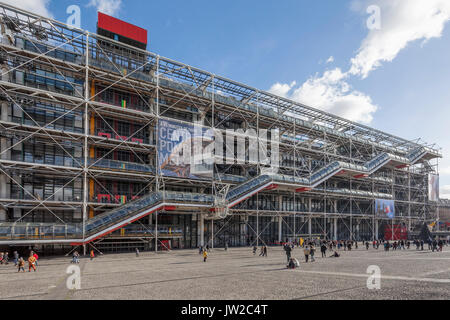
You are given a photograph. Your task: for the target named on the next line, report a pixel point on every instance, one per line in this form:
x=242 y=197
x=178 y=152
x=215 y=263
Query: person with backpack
x=312 y=251
x=36 y=257
x=288 y=249
x=323 y=249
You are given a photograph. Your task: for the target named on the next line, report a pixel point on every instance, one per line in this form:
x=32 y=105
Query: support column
x=156 y=231
x=310 y=227
x=201 y=230
x=335 y=229
x=212 y=234
x=5 y=155
x=280 y=229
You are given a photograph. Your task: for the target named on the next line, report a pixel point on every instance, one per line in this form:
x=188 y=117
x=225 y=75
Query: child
x=31 y=263
x=21 y=264
x=205 y=255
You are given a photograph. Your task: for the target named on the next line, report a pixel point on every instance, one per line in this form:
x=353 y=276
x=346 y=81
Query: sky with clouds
x=320 y=53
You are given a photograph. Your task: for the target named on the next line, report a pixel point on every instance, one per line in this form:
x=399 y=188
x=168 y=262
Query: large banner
x=180 y=150
x=433 y=187
x=385 y=208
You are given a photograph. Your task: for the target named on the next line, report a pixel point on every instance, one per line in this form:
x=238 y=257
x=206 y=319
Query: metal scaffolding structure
x=79 y=132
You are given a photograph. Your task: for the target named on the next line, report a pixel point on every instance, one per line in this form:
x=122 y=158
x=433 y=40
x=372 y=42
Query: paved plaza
x=236 y=274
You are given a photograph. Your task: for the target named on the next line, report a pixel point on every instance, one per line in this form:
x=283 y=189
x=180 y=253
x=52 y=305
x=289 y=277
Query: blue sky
x=283 y=46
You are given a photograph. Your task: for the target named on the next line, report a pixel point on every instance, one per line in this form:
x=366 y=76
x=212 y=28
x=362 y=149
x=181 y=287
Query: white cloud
x=39 y=7
x=445 y=171
x=444 y=192
x=330 y=93
x=110 y=7
x=330 y=59
x=402 y=22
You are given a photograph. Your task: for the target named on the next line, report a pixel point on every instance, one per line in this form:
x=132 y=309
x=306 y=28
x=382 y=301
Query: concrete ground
x=236 y=274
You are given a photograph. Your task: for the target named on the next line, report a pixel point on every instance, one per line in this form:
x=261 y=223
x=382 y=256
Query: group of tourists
x=19 y=261
x=309 y=247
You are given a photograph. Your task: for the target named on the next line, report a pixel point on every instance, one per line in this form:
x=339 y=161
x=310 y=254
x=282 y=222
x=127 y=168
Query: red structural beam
x=305 y=189
x=360 y=176
x=402 y=166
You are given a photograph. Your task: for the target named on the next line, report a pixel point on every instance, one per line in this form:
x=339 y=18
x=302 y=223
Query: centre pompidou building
x=88 y=157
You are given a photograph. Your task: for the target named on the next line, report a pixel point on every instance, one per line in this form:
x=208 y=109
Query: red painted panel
x=122 y=28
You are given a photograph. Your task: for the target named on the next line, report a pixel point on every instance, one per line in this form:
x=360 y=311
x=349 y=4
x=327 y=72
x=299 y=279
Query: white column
x=376 y=230
x=280 y=228
x=5 y=155
x=201 y=229
x=335 y=228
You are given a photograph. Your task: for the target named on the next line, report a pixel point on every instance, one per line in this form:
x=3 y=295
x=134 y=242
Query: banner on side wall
x=433 y=187
x=385 y=208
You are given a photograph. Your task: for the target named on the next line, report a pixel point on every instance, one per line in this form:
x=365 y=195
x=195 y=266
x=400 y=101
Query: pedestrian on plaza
x=21 y=264
x=254 y=250
x=6 y=258
x=207 y=248
x=1 y=257
x=408 y=243
x=16 y=257
x=265 y=251
x=356 y=245
x=421 y=244
x=440 y=244
x=92 y=255
x=323 y=249
x=288 y=250
x=434 y=245
x=261 y=253
x=226 y=246
x=205 y=255
x=306 y=251
x=200 y=249
x=137 y=252
x=312 y=251
x=367 y=245
x=31 y=263
x=36 y=257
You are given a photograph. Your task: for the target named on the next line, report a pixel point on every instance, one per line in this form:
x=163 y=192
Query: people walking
x=92 y=255
x=20 y=264
x=254 y=250
x=137 y=253
x=16 y=258
x=265 y=251
x=205 y=255
x=6 y=258
x=323 y=250
x=306 y=252
x=31 y=263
